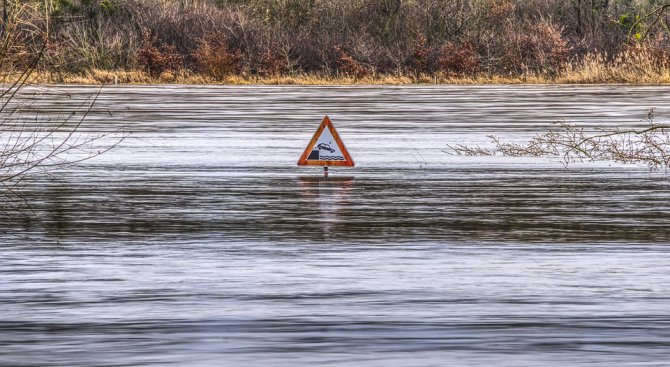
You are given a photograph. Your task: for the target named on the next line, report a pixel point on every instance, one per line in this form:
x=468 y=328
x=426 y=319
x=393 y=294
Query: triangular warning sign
x=326 y=148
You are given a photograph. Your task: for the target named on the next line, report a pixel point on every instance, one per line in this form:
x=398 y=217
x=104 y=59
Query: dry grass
x=634 y=66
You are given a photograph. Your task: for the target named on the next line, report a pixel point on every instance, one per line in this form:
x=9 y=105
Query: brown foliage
x=459 y=58
x=157 y=58
x=495 y=10
x=419 y=61
x=270 y=63
x=348 y=65
x=214 y=58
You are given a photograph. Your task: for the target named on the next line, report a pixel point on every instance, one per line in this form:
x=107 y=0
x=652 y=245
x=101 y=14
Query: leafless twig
x=648 y=146
x=31 y=141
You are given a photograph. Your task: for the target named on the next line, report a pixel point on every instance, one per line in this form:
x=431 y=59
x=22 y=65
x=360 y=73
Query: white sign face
x=326 y=148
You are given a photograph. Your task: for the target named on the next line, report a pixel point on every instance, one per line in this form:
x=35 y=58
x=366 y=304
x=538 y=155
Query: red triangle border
x=326 y=123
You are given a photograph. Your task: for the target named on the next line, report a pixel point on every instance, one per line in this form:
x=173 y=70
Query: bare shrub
x=270 y=63
x=649 y=146
x=551 y=49
x=543 y=49
x=498 y=9
x=658 y=48
x=81 y=46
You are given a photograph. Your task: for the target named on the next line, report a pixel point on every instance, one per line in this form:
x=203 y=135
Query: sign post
x=326 y=149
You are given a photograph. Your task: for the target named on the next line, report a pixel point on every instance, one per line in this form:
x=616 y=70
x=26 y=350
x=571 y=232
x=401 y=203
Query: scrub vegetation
x=342 y=41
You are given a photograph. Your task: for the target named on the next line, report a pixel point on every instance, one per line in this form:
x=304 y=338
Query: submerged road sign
x=326 y=148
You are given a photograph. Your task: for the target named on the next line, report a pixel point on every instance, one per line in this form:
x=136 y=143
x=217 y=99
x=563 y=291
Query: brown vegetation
x=253 y=41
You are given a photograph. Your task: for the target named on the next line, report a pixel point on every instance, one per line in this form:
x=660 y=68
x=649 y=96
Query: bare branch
x=31 y=141
x=648 y=146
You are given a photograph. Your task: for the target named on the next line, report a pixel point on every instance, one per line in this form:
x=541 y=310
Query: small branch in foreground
x=31 y=143
x=648 y=146
x=476 y=150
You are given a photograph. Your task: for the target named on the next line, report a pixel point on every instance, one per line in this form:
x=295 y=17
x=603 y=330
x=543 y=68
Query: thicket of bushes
x=355 y=38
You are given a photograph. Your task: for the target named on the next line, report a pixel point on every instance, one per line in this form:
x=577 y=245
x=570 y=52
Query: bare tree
x=30 y=140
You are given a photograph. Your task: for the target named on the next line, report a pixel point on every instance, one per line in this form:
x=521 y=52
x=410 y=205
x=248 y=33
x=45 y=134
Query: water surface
x=198 y=241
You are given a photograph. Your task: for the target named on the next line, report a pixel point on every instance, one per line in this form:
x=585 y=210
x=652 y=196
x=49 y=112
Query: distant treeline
x=336 y=38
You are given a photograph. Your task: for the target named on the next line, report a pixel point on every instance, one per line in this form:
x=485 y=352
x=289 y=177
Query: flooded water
x=198 y=242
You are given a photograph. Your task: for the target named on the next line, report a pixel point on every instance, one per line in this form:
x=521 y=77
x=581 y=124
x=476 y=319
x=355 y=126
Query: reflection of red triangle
x=308 y=159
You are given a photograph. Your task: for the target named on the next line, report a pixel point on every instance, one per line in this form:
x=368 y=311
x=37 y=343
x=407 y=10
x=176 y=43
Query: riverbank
x=591 y=70
x=337 y=42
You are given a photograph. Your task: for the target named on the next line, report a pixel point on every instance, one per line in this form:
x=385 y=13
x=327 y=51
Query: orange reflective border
x=313 y=151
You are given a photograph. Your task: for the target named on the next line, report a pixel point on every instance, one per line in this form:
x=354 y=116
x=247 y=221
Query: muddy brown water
x=198 y=241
